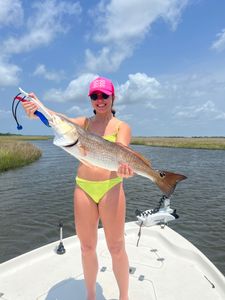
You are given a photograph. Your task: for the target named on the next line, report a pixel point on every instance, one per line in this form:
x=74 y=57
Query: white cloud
x=120 y=107
x=4 y=115
x=220 y=116
x=3 y=112
x=206 y=110
x=77 y=90
x=139 y=88
x=194 y=88
x=150 y=105
x=127 y=117
x=209 y=106
x=77 y=110
x=11 y=13
x=122 y=24
x=181 y=97
x=108 y=58
x=219 y=44
x=74 y=108
x=43 y=26
x=193 y=96
x=54 y=76
x=9 y=73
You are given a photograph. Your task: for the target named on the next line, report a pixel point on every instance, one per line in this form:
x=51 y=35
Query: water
x=33 y=199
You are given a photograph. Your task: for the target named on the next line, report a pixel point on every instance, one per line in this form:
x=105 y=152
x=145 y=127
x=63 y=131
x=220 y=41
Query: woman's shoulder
x=123 y=133
x=121 y=124
x=81 y=121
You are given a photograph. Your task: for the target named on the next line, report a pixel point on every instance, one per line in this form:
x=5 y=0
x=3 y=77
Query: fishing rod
x=23 y=96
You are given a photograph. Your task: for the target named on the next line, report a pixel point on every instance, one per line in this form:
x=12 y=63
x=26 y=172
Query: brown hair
x=112 y=110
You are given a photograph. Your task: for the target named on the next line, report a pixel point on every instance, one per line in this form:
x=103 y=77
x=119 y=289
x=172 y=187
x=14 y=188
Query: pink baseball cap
x=101 y=84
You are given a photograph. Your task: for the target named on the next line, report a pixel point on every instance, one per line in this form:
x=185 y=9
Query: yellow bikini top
x=111 y=137
x=108 y=137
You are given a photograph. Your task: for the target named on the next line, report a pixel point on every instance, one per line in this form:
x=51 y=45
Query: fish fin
x=146 y=161
x=167 y=181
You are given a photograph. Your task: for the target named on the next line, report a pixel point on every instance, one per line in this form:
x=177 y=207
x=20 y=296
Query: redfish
x=92 y=149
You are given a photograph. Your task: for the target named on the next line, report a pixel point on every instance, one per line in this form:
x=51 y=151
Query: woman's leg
x=86 y=222
x=112 y=213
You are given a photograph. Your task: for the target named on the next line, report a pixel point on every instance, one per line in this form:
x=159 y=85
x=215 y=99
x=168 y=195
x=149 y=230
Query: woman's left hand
x=125 y=171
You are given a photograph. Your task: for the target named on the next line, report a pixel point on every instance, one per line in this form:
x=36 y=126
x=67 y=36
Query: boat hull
x=164 y=266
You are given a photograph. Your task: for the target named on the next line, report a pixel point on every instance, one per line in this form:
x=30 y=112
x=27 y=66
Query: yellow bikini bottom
x=97 y=189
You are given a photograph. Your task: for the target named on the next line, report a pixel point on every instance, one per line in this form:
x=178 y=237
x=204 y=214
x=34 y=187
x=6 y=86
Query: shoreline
x=15 y=137
x=198 y=142
x=209 y=143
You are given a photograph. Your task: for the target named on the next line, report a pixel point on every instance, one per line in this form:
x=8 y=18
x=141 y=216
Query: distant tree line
x=8 y=134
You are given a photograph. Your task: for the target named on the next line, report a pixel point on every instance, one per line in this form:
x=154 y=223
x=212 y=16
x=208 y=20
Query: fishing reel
x=162 y=214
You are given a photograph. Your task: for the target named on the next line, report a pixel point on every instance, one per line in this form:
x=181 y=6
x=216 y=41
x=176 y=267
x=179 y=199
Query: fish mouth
x=62 y=142
x=73 y=144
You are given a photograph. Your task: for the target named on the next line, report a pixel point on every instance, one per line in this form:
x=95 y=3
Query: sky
x=166 y=59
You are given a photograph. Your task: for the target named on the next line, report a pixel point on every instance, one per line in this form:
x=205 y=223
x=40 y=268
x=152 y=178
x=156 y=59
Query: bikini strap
x=86 y=123
x=118 y=126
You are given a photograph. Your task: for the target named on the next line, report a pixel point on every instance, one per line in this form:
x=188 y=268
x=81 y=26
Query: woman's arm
x=124 y=138
x=124 y=134
x=31 y=107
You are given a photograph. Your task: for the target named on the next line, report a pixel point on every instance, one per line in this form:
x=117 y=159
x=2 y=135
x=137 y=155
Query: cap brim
x=107 y=92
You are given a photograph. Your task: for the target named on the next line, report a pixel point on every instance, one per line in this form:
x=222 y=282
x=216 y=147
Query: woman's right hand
x=30 y=107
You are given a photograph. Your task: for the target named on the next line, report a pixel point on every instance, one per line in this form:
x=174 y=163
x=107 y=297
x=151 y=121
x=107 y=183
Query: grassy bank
x=15 y=153
x=212 y=143
x=11 y=138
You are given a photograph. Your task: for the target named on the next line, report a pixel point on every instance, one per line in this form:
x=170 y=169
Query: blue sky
x=165 y=57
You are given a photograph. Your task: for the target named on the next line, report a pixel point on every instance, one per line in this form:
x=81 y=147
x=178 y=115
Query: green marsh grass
x=210 y=143
x=11 y=138
x=15 y=153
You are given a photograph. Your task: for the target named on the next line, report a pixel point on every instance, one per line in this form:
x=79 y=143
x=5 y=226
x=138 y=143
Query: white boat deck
x=164 y=266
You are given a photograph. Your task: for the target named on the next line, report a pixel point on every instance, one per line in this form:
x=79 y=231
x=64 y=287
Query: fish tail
x=167 y=181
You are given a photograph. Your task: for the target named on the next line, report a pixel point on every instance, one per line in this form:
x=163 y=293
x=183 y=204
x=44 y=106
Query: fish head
x=65 y=131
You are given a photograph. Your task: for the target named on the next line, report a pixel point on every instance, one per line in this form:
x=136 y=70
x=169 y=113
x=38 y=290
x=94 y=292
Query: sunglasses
x=94 y=97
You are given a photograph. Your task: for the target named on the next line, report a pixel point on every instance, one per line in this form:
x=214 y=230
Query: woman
x=99 y=193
